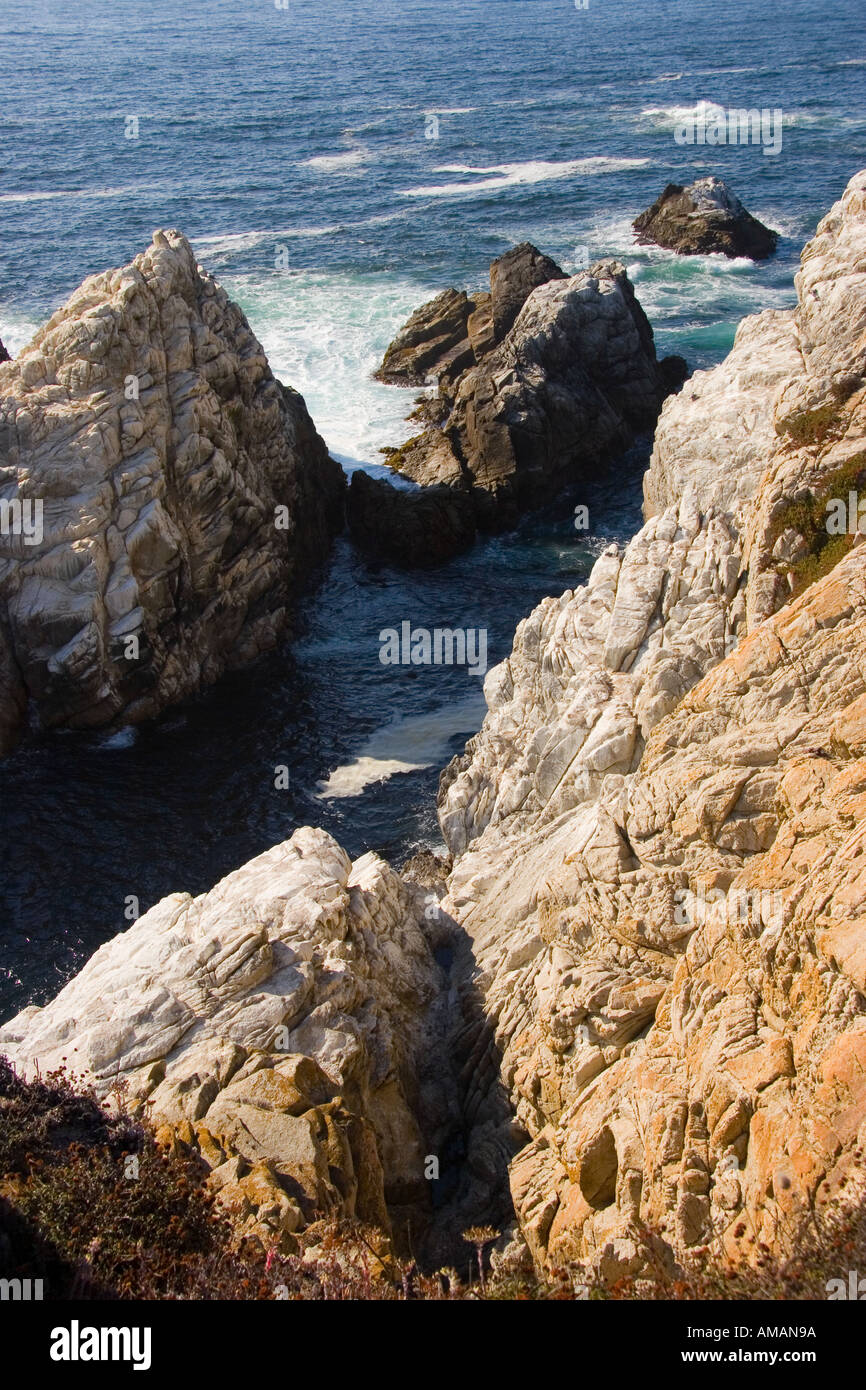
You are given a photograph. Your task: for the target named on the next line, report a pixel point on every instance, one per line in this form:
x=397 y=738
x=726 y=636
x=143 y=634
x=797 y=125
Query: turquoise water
x=290 y=146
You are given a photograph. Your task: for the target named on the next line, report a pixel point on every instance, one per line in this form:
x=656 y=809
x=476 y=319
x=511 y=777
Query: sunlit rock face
x=177 y=496
x=282 y=1025
x=659 y=829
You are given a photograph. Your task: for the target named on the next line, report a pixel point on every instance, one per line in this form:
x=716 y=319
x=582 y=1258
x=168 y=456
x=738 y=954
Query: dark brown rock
x=480 y=326
x=702 y=218
x=4 y=355
x=574 y=381
x=415 y=529
x=513 y=277
x=452 y=332
x=426 y=869
x=426 y=339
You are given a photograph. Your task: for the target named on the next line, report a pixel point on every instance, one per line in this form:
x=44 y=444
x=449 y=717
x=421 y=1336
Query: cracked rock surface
x=659 y=830
x=145 y=421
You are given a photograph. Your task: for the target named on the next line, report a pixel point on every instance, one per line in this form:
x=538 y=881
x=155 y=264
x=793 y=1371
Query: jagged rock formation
x=513 y=277
x=452 y=332
x=538 y=382
x=773 y=434
x=658 y=831
x=283 y=1025
x=572 y=383
x=4 y=355
x=702 y=218
x=433 y=338
x=146 y=422
x=657 y=1003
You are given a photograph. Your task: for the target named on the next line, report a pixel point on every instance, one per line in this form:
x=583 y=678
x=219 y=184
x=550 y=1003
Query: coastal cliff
x=659 y=828
x=654 y=1014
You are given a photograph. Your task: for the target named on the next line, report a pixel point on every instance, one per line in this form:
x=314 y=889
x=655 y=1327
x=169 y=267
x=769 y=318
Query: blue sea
x=295 y=148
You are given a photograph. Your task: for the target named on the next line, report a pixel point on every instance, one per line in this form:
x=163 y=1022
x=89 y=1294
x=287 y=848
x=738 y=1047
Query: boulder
x=4 y=355
x=185 y=497
x=416 y=529
x=704 y=217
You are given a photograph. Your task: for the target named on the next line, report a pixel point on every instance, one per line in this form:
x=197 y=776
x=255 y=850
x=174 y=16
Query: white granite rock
x=144 y=421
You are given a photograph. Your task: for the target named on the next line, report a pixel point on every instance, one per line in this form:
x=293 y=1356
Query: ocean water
x=292 y=147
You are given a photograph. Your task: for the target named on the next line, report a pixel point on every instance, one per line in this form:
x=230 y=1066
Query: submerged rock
x=704 y=217
x=182 y=493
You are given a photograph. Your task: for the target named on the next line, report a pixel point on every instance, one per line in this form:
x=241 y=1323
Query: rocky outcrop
x=537 y=383
x=282 y=1025
x=704 y=217
x=775 y=434
x=416 y=529
x=574 y=380
x=431 y=339
x=513 y=277
x=183 y=496
x=452 y=332
x=4 y=355
x=656 y=1012
x=657 y=830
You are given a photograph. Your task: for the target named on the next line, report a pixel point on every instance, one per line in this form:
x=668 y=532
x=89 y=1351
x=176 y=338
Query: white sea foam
x=666 y=117
x=126 y=191
x=123 y=738
x=233 y=243
x=722 y=72
x=508 y=175
x=16 y=331
x=325 y=333
x=336 y=163
x=209 y=248
x=405 y=745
